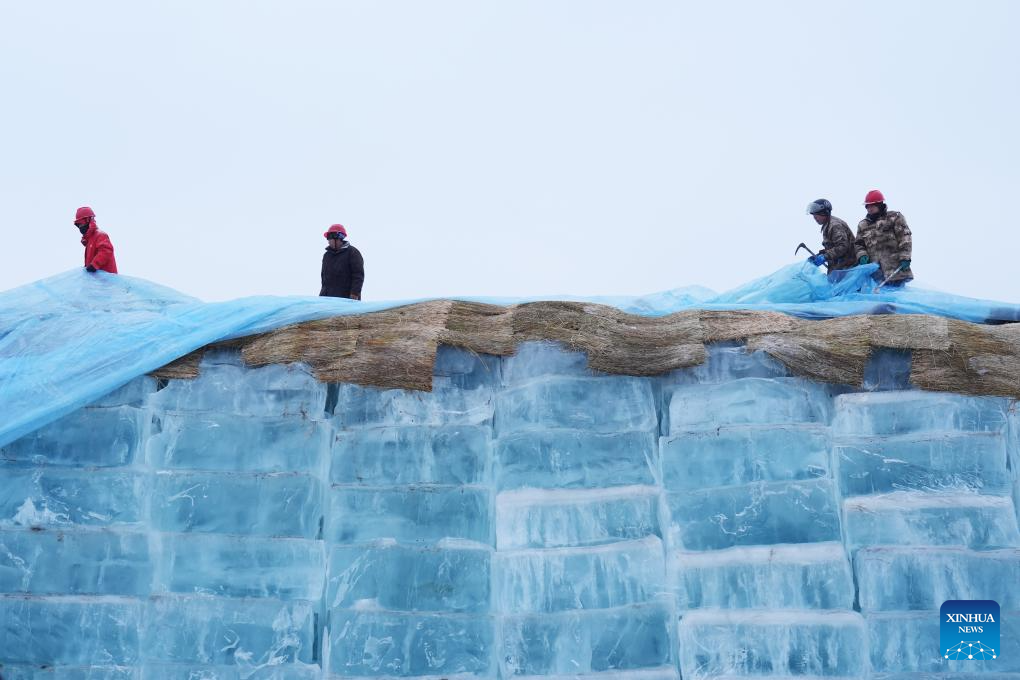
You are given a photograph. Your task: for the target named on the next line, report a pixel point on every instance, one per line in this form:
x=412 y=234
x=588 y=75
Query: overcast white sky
x=507 y=148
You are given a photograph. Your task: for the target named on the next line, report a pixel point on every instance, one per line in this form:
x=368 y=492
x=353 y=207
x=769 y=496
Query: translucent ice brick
x=534 y=518
x=221 y=441
x=412 y=455
x=408 y=514
x=95 y=437
x=445 y=405
x=464 y=369
x=55 y=497
x=771 y=643
x=892 y=413
x=898 y=579
x=575 y=458
x=240 y=566
x=226 y=631
x=275 y=504
x=745 y=401
x=909 y=642
x=588 y=641
x=943 y=462
x=600 y=577
x=912 y=518
x=451 y=576
x=727 y=362
x=395 y=644
x=540 y=359
x=71 y=630
x=742 y=454
x=94 y=562
x=605 y=404
x=274 y=390
x=802 y=576
x=755 y=514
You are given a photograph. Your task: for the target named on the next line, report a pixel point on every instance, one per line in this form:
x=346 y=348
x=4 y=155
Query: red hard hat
x=82 y=213
x=336 y=228
x=874 y=196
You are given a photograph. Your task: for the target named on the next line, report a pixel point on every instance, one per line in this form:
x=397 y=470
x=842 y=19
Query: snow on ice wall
x=527 y=518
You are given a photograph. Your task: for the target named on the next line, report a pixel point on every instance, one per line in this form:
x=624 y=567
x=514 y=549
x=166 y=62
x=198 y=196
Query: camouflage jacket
x=838 y=244
x=886 y=242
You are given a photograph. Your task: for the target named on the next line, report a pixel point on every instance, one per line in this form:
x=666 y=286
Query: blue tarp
x=70 y=339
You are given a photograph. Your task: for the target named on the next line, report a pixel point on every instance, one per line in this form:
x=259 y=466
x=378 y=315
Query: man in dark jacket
x=343 y=268
x=837 y=251
x=98 y=248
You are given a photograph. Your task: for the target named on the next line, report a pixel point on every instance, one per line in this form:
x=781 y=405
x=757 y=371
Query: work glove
x=817 y=260
x=864 y=260
x=904 y=265
x=89 y=268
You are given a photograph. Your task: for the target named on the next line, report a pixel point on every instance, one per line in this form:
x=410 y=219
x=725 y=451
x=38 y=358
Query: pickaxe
x=888 y=278
x=805 y=248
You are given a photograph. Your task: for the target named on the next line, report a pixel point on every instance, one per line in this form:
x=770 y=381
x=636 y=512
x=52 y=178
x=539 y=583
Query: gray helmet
x=819 y=207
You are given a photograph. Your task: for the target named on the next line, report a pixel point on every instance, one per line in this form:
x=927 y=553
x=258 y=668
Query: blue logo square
x=969 y=630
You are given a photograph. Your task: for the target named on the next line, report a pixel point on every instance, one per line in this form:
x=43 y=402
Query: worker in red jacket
x=98 y=249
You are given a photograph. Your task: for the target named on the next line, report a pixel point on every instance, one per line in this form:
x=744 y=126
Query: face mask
x=83 y=228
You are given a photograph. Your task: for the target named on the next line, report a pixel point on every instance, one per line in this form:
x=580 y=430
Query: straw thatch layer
x=397 y=347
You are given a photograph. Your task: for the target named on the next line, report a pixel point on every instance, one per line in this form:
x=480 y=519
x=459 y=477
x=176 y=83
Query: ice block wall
x=526 y=518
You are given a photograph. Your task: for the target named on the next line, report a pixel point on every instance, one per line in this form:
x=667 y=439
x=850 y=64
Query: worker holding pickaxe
x=884 y=238
x=837 y=240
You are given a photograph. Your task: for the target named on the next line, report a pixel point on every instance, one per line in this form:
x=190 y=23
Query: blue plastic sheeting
x=70 y=339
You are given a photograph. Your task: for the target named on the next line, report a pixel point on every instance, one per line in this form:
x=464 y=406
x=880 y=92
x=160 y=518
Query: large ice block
x=541 y=359
x=466 y=370
x=745 y=401
x=726 y=362
x=905 y=412
x=58 y=497
x=741 y=454
x=897 y=579
x=539 y=518
x=229 y=442
x=239 y=566
x=72 y=630
x=755 y=514
x=600 y=577
x=588 y=641
x=412 y=455
x=409 y=514
x=274 y=504
x=132 y=393
x=274 y=390
x=396 y=644
x=267 y=671
x=908 y=642
x=802 y=576
x=606 y=404
x=914 y=518
x=247 y=633
x=89 y=437
x=772 y=643
x=575 y=458
x=451 y=576
x=888 y=369
x=445 y=405
x=65 y=672
x=942 y=462
x=75 y=562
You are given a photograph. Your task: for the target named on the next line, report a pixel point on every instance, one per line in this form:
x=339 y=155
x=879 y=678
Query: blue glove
x=89 y=268
x=817 y=260
x=904 y=265
x=864 y=260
